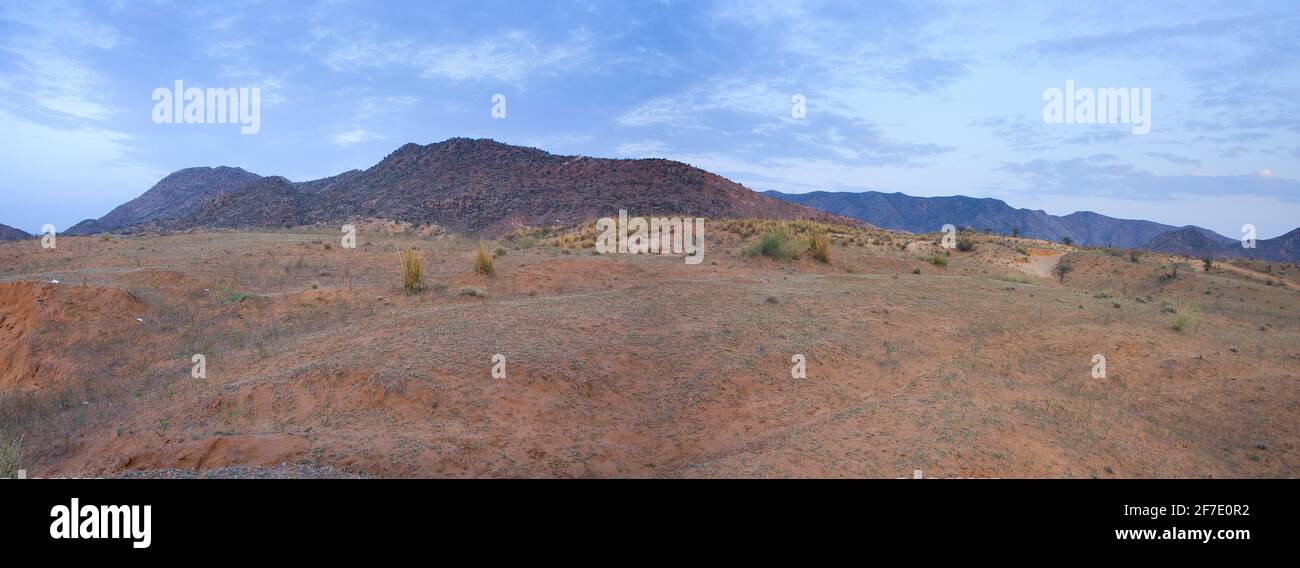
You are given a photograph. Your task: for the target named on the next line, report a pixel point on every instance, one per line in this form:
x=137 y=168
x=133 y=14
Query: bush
x=499 y=252
x=965 y=244
x=1062 y=269
x=1134 y=256
x=1208 y=262
x=821 y=247
x=483 y=261
x=939 y=260
x=412 y=271
x=237 y=297
x=777 y=244
x=1184 y=318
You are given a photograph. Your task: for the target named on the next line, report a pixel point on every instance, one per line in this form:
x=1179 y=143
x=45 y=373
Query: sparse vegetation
x=1173 y=272
x=484 y=262
x=778 y=244
x=940 y=260
x=1184 y=318
x=237 y=297
x=821 y=247
x=1062 y=269
x=11 y=454
x=1016 y=277
x=472 y=292
x=1134 y=256
x=412 y=271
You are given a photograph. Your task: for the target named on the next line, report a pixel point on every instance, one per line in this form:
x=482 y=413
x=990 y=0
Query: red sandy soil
x=638 y=366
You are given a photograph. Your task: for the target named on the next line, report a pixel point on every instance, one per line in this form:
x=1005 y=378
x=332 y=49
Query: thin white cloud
x=643 y=149
x=509 y=57
x=50 y=46
x=354 y=136
x=94 y=168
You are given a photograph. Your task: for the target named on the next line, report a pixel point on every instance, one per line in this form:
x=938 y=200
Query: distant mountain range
x=929 y=214
x=8 y=233
x=478 y=186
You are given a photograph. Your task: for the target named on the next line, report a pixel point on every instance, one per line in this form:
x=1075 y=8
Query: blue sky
x=927 y=98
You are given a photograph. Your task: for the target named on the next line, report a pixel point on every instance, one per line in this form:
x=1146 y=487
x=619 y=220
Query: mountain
x=1189 y=242
x=175 y=196
x=478 y=186
x=266 y=202
x=8 y=233
x=929 y=214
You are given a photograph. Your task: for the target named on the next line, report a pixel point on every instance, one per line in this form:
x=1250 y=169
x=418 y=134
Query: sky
x=926 y=98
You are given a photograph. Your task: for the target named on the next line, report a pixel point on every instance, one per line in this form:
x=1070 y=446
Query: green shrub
x=1062 y=269
x=237 y=297
x=778 y=244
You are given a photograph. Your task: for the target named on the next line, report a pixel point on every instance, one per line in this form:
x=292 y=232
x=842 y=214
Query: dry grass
x=11 y=454
x=412 y=271
x=1184 y=318
x=483 y=261
x=821 y=247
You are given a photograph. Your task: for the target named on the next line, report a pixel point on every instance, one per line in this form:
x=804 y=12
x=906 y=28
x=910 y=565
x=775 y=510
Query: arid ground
x=642 y=366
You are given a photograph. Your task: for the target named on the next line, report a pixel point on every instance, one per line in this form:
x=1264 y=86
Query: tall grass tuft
x=483 y=261
x=821 y=247
x=1184 y=318
x=412 y=271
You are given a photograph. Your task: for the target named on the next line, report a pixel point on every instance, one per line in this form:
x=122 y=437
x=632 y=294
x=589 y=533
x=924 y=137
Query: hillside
x=8 y=233
x=1188 y=242
x=175 y=196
